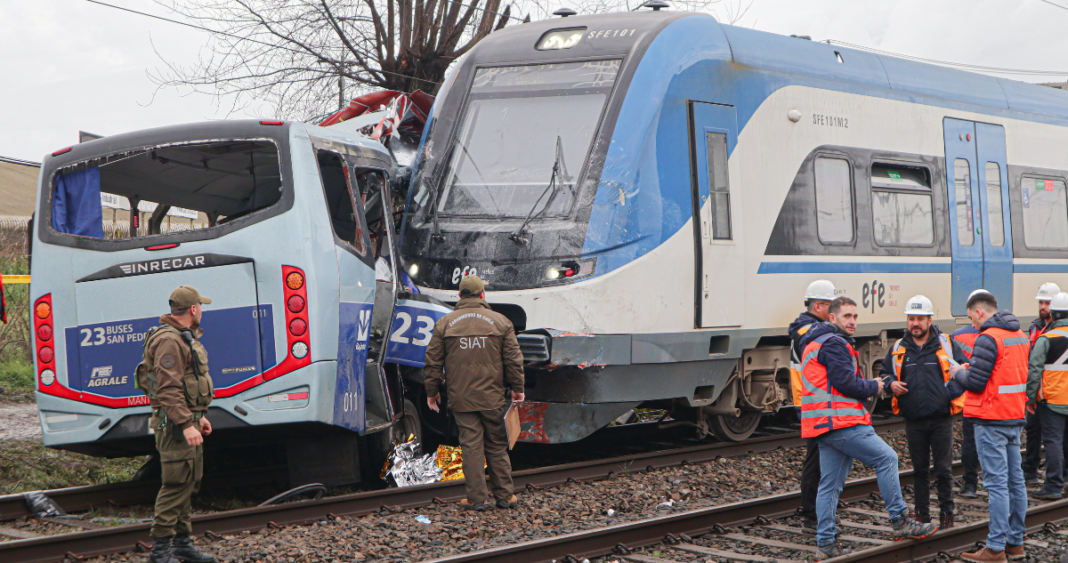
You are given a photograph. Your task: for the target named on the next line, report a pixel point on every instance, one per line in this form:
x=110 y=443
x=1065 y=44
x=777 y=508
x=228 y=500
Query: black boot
x=161 y=551
x=184 y=550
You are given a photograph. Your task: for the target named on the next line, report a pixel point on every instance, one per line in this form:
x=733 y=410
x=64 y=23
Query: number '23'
x=426 y=325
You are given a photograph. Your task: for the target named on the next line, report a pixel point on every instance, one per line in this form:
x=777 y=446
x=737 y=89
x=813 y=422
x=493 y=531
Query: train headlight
x=413 y=270
x=299 y=350
x=48 y=377
x=561 y=39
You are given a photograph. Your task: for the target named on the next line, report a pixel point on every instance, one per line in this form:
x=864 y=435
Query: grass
x=16 y=378
x=27 y=466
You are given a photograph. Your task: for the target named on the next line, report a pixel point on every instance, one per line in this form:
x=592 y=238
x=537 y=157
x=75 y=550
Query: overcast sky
x=69 y=65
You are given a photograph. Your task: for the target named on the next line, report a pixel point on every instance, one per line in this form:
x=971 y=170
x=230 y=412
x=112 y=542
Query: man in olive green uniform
x=475 y=350
x=174 y=375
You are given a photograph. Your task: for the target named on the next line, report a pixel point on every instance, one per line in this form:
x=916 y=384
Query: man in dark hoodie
x=995 y=386
x=964 y=337
x=916 y=369
x=833 y=412
x=818 y=299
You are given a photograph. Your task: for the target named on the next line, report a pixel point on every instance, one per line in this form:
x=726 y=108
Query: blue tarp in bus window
x=76 y=204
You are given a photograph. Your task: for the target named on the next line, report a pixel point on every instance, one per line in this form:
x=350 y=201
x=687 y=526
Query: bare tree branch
x=302 y=58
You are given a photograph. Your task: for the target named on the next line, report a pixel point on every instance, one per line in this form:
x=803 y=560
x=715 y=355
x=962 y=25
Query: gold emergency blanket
x=451 y=463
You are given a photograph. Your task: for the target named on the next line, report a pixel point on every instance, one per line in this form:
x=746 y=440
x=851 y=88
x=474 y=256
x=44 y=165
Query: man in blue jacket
x=916 y=370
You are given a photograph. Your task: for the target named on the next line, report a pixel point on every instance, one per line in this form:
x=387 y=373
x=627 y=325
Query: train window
x=994 y=219
x=901 y=205
x=720 y=185
x=962 y=181
x=1045 y=214
x=834 y=200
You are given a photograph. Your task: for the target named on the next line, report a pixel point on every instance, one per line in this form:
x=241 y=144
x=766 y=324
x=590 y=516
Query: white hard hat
x=1047 y=291
x=821 y=290
x=973 y=294
x=919 y=305
x=1059 y=302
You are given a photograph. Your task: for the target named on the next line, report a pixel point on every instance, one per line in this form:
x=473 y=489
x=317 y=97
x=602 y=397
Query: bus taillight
x=46 y=355
x=298 y=336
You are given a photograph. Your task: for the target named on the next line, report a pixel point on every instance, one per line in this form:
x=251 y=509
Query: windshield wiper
x=518 y=234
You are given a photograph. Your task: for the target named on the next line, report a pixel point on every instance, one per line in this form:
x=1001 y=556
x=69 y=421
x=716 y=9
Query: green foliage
x=16 y=371
x=28 y=466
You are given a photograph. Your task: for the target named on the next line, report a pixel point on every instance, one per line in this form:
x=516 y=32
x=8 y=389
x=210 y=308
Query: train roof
x=811 y=62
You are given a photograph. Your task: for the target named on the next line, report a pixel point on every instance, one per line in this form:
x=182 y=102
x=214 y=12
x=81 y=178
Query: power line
x=1052 y=4
x=240 y=38
x=979 y=68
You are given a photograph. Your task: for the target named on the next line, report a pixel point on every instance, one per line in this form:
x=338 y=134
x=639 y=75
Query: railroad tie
x=17 y=533
x=857 y=539
x=636 y=558
x=730 y=554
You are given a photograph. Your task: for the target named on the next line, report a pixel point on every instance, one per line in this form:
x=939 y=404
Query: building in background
x=18 y=187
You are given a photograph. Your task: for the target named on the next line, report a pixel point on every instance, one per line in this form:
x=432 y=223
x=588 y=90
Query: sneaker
x=510 y=503
x=907 y=528
x=1049 y=495
x=985 y=555
x=945 y=521
x=828 y=552
x=1032 y=479
x=967 y=490
x=477 y=507
x=1015 y=552
x=809 y=525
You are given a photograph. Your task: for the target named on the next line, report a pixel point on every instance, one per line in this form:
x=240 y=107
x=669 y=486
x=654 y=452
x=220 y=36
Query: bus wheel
x=731 y=428
x=408 y=426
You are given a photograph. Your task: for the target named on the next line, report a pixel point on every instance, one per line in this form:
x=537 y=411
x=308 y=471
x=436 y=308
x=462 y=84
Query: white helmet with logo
x=1047 y=291
x=919 y=305
x=1059 y=302
x=820 y=290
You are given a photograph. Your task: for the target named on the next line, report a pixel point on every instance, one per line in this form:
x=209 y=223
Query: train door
x=977 y=186
x=717 y=232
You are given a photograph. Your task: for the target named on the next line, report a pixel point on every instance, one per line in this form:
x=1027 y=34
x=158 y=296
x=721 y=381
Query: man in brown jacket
x=478 y=351
x=174 y=374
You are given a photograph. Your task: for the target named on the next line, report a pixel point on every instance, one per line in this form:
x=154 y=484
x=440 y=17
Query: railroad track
x=760 y=523
x=124 y=538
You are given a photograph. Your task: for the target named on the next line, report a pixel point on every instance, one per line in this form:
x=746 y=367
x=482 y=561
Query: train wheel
x=734 y=428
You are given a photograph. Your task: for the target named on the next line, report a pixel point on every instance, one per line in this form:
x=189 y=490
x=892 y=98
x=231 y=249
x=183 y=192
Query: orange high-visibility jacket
x=1054 y=388
x=823 y=408
x=1005 y=394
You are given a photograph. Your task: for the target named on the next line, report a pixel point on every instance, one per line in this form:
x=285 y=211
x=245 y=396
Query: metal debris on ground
x=407 y=468
x=43 y=507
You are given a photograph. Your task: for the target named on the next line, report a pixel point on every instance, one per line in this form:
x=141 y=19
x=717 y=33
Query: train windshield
x=520 y=123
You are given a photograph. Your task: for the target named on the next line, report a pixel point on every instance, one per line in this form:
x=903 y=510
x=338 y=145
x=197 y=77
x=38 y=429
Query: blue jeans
x=1003 y=479
x=838 y=449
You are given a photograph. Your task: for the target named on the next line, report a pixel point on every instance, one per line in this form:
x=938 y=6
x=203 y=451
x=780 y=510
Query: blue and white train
x=649 y=193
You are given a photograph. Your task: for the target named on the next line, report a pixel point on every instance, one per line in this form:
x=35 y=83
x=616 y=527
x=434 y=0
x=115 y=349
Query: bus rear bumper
x=302 y=396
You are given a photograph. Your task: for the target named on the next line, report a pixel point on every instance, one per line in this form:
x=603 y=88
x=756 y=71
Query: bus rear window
x=166 y=189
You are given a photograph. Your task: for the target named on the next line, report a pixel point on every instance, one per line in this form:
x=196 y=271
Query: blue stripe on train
x=854 y=268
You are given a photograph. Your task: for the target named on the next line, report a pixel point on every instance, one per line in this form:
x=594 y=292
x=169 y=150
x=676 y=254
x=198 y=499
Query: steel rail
x=642 y=533
x=123 y=538
x=76 y=499
x=605 y=541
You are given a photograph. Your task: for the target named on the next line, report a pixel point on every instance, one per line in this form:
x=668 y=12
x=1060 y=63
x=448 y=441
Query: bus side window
x=339 y=201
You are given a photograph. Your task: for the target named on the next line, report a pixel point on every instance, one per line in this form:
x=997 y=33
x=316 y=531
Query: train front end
x=548 y=172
